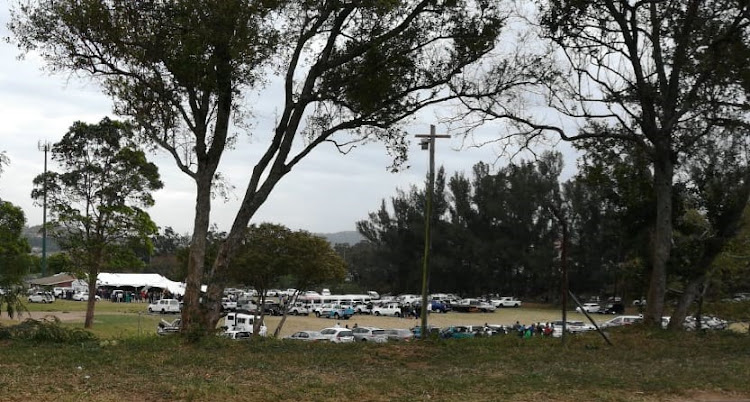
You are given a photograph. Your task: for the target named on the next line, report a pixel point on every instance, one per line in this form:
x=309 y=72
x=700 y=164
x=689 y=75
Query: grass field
x=127 y=364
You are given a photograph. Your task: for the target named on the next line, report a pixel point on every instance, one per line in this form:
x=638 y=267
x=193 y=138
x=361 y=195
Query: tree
x=271 y=252
x=178 y=67
x=14 y=258
x=662 y=76
x=96 y=201
x=718 y=192
x=170 y=256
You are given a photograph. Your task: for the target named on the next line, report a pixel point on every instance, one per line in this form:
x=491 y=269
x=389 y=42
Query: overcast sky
x=327 y=192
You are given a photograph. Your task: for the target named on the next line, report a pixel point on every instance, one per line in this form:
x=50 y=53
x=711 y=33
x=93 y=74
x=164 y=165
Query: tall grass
x=643 y=365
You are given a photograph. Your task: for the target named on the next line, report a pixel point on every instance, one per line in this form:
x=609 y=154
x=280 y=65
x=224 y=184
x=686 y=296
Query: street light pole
x=44 y=146
x=428 y=142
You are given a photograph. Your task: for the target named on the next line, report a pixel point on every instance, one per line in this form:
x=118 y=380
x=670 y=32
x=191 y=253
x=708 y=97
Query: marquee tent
x=140 y=281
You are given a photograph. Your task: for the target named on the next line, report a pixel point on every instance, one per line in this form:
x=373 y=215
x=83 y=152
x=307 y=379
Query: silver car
x=306 y=336
x=370 y=334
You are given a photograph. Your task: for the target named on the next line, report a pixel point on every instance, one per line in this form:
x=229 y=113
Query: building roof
x=53 y=280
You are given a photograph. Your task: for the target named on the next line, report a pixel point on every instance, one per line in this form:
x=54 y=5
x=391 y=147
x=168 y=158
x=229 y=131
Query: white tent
x=140 y=281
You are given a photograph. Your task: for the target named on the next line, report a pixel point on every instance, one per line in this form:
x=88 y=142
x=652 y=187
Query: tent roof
x=53 y=280
x=139 y=281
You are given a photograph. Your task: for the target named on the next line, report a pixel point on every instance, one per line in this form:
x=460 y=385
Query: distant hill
x=351 y=237
x=34 y=235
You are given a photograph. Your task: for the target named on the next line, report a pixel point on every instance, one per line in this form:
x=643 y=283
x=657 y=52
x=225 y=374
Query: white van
x=243 y=322
x=165 y=306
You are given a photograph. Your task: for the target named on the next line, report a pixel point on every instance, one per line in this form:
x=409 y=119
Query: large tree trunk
x=91 y=303
x=662 y=245
x=686 y=300
x=192 y=314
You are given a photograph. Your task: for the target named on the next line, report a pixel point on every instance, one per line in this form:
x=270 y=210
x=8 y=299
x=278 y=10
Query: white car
x=228 y=304
x=237 y=335
x=80 y=296
x=622 y=320
x=362 y=308
x=589 y=308
x=164 y=306
x=392 y=309
x=573 y=327
x=338 y=335
x=306 y=336
x=41 y=297
x=370 y=334
x=299 y=308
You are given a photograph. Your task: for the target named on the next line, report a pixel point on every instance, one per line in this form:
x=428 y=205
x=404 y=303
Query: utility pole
x=44 y=146
x=428 y=142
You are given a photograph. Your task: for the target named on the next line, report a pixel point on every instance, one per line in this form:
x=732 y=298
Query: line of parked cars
x=606 y=308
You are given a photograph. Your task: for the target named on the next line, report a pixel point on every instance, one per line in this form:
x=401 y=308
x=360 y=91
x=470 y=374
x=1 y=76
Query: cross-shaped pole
x=428 y=142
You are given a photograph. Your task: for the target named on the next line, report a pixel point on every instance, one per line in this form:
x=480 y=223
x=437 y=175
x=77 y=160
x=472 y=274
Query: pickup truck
x=336 y=311
x=228 y=304
x=392 y=309
x=506 y=302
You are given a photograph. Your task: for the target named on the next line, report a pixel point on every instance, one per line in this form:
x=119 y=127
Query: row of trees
x=658 y=78
x=500 y=232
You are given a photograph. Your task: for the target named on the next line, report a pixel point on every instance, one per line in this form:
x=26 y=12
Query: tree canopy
x=178 y=68
x=14 y=258
x=97 y=199
x=660 y=76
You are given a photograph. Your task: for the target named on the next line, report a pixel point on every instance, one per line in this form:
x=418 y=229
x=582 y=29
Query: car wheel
x=317 y=314
x=398 y=315
x=364 y=339
x=162 y=311
x=293 y=312
x=336 y=316
x=377 y=313
x=150 y=310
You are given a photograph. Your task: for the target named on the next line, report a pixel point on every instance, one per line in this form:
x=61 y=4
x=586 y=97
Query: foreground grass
x=642 y=366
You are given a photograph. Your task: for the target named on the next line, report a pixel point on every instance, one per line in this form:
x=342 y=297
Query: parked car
x=336 y=311
x=166 y=327
x=456 y=332
x=83 y=296
x=392 y=309
x=41 y=297
x=237 y=335
x=243 y=322
x=299 y=308
x=306 y=336
x=613 y=308
x=164 y=306
x=338 y=335
x=622 y=320
x=417 y=331
x=506 y=302
x=399 y=335
x=228 y=304
x=473 y=306
x=363 y=308
x=370 y=334
x=589 y=308
x=573 y=327
x=439 y=307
